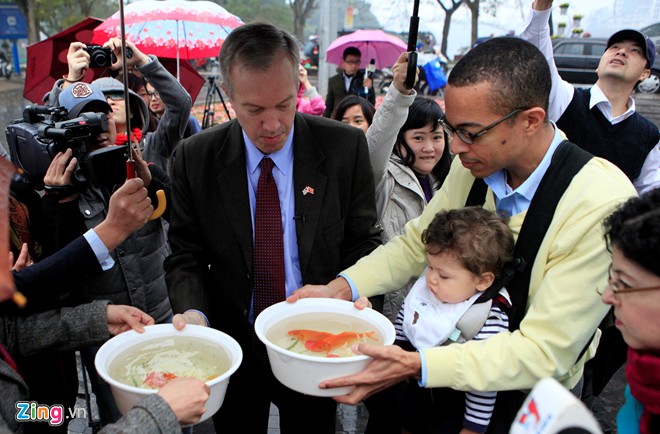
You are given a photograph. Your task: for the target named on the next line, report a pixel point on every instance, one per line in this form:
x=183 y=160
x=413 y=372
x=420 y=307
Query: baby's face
x=449 y=280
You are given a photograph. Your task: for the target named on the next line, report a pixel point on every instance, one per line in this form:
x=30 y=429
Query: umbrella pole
x=178 y=73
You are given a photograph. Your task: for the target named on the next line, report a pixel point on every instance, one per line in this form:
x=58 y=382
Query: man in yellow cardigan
x=496 y=104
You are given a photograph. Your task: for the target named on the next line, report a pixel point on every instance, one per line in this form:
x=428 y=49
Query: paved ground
x=350 y=420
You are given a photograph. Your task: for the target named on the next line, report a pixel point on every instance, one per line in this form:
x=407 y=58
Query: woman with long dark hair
x=410 y=158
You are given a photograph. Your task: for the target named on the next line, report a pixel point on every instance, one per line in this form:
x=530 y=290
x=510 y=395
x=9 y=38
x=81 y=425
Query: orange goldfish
x=308 y=335
x=333 y=342
x=319 y=342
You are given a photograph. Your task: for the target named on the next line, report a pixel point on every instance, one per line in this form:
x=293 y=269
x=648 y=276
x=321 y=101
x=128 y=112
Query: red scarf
x=122 y=138
x=643 y=374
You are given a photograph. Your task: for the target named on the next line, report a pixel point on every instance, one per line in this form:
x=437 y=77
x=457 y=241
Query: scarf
x=643 y=374
x=425 y=183
x=122 y=138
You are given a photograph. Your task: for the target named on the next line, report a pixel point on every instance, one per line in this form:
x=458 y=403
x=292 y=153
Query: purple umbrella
x=373 y=44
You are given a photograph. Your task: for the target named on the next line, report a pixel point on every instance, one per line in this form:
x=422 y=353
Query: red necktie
x=268 y=242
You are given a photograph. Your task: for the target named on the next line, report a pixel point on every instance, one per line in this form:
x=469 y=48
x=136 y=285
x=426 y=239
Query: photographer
x=137 y=276
x=157 y=146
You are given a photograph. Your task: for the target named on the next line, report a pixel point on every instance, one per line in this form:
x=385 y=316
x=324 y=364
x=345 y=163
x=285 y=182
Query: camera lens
x=99 y=57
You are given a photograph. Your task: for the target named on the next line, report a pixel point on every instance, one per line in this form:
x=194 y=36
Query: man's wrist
x=342 y=288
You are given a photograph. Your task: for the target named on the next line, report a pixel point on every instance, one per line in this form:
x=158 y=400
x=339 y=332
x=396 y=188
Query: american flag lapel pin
x=307 y=189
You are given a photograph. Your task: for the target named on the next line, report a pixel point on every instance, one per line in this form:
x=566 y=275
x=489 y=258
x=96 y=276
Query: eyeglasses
x=618 y=287
x=469 y=137
x=352 y=62
x=153 y=94
x=115 y=96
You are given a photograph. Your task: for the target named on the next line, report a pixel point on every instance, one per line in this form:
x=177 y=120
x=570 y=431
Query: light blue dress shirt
x=512 y=202
x=100 y=250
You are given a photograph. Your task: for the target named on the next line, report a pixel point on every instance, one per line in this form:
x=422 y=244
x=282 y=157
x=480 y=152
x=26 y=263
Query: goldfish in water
x=308 y=335
x=156 y=380
x=333 y=342
x=318 y=342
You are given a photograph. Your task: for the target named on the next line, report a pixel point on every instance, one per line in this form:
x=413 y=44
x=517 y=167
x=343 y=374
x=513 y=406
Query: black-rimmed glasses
x=469 y=137
x=618 y=287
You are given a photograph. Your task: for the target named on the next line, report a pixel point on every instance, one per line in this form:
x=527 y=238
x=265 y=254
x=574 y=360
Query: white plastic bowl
x=127 y=396
x=303 y=373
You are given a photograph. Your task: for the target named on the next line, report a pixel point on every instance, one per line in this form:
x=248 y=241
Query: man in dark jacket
x=350 y=81
x=325 y=214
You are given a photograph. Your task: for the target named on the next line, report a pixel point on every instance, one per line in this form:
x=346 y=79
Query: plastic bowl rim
x=157 y=327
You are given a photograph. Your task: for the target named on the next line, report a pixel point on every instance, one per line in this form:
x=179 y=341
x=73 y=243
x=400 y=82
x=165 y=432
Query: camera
x=103 y=56
x=43 y=131
x=99 y=56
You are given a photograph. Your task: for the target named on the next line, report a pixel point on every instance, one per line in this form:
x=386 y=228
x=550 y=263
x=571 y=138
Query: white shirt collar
x=599 y=100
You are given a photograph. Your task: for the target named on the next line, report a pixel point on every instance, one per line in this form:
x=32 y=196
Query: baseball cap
x=83 y=97
x=633 y=35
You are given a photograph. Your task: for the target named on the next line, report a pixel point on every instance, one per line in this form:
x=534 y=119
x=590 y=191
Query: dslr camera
x=43 y=131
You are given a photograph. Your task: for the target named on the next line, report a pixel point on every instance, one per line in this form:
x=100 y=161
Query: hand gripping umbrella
x=130 y=162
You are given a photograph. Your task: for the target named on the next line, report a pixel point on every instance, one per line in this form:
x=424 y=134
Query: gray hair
x=256 y=46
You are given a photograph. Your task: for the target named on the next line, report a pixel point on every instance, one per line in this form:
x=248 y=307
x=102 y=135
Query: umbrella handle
x=160 y=208
x=160 y=194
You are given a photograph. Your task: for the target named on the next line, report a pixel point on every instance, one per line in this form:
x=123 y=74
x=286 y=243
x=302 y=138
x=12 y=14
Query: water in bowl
x=152 y=365
x=323 y=334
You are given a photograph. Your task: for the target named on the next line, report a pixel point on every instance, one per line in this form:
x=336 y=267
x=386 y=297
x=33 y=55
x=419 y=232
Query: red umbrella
x=46 y=60
x=47 y=63
x=373 y=44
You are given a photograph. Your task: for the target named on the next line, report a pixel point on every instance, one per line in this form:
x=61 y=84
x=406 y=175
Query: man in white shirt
x=614 y=131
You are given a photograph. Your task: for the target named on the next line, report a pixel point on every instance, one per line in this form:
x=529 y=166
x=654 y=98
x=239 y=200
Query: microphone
x=371 y=68
x=551 y=409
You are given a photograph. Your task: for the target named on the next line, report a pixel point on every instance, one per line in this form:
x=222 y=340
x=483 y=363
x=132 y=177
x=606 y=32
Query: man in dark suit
x=326 y=196
x=350 y=81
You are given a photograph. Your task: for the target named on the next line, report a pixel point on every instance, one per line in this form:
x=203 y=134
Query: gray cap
x=139 y=110
x=83 y=97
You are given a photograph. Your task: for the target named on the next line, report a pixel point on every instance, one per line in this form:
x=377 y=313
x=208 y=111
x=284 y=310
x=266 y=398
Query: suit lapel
x=232 y=184
x=309 y=188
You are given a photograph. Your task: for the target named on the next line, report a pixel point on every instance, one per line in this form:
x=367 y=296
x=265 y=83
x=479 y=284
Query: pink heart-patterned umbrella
x=173 y=28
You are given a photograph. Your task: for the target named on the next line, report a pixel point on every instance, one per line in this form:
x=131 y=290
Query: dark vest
x=625 y=144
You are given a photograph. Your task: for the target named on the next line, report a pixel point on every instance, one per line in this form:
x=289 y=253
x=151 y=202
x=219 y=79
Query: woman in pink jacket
x=309 y=100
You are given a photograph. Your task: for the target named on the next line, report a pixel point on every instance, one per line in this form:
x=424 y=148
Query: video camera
x=43 y=131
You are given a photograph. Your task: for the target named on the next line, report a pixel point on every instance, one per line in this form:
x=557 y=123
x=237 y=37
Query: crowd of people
x=480 y=231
